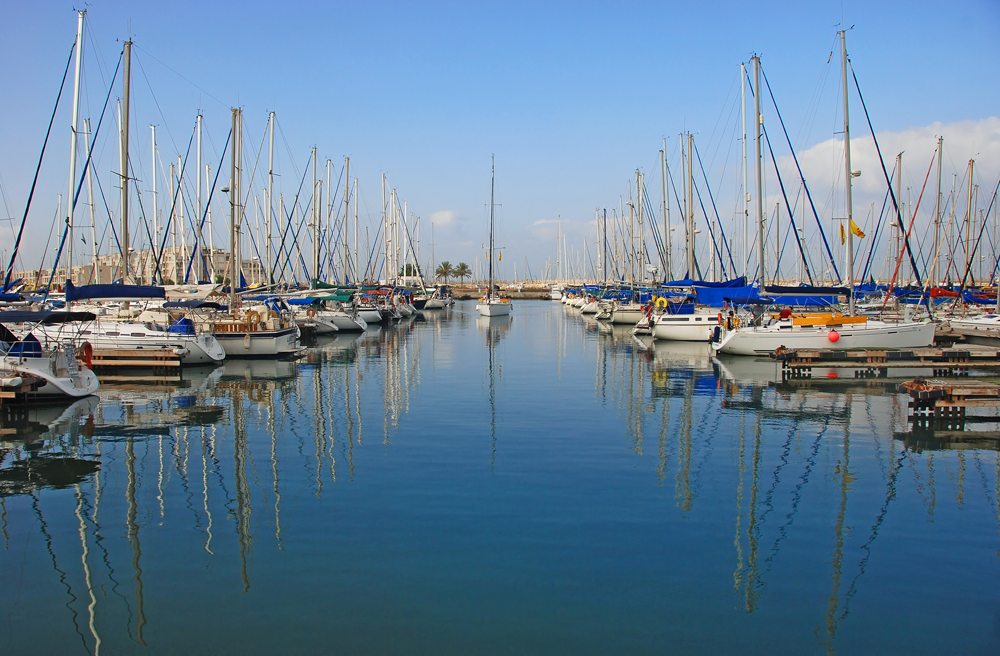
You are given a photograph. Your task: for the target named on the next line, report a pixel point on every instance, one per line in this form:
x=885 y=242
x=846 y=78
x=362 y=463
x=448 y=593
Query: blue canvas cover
x=29 y=347
x=182 y=326
x=112 y=292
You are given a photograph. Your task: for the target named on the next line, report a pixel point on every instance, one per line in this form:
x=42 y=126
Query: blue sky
x=571 y=97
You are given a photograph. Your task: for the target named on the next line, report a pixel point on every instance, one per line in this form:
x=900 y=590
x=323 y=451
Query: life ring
x=311 y=313
x=254 y=317
x=88 y=354
x=661 y=302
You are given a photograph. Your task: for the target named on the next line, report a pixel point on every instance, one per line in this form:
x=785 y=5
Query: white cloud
x=548 y=229
x=444 y=218
x=823 y=164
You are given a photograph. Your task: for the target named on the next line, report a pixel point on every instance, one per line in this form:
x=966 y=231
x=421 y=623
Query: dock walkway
x=873 y=363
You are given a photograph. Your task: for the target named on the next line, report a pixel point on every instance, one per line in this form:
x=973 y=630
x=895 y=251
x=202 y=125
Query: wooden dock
x=20 y=394
x=872 y=363
x=949 y=398
x=125 y=364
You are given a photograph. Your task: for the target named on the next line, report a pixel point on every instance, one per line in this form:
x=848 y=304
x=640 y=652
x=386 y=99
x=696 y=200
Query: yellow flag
x=843 y=235
x=856 y=230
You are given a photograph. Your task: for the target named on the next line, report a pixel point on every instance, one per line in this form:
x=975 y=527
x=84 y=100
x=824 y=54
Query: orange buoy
x=833 y=336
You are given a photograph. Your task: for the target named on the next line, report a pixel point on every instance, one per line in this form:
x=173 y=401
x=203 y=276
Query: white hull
x=260 y=343
x=193 y=349
x=877 y=335
x=370 y=315
x=319 y=326
x=627 y=315
x=343 y=321
x=589 y=308
x=63 y=375
x=434 y=304
x=685 y=327
x=986 y=323
x=493 y=309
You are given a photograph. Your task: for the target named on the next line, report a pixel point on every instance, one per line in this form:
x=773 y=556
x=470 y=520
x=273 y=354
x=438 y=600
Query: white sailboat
x=57 y=366
x=821 y=330
x=492 y=304
x=264 y=331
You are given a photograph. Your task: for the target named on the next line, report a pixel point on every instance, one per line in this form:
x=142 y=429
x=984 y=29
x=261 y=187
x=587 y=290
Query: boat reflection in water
x=628 y=481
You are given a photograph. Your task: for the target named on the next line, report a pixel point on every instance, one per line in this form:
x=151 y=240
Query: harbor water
x=534 y=483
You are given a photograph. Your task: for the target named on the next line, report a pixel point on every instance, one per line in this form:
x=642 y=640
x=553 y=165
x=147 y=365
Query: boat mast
x=385 y=231
x=234 y=208
x=758 y=120
x=126 y=93
x=71 y=205
x=180 y=225
x=559 y=247
x=669 y=273
x=684 y=208
x=968 y=224
x=937 y=218
x=404 y=236
x=640 y=190
x=690 y=205
x=315 y=220
x=208 y=219
x=90 y=196
x=270 y=197
x=605 y=266
x=356 y=263
x=900 y=219
x=489 y=256
x=173 y=230
x=198 y=237
x=347 y=207
x=849 y=176
x=746 y=183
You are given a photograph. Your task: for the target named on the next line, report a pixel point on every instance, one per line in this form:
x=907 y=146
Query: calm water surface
x=531 y=484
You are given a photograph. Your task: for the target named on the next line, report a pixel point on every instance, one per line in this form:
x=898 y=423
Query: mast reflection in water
x=466 y=484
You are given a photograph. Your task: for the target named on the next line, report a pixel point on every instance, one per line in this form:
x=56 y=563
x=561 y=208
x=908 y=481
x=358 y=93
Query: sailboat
x=821 y=330
x=267 y=330
x=492 y=304
x=56 y=369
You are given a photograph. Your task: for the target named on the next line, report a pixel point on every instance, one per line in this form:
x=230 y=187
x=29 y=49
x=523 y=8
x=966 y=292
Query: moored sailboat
x=821 y=330
x=492 y=304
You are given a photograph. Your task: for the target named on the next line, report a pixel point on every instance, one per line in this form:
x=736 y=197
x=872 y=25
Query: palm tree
x=462 y=271
x=444 y=270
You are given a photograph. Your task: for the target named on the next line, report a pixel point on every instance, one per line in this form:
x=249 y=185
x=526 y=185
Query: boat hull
x=193 y=349
x=370 y=315
x=344 y=322
x=63 y=375
x=758 y=341
x=627 y=315
x=685 y=327
x=493 y=309
x=260 y=343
